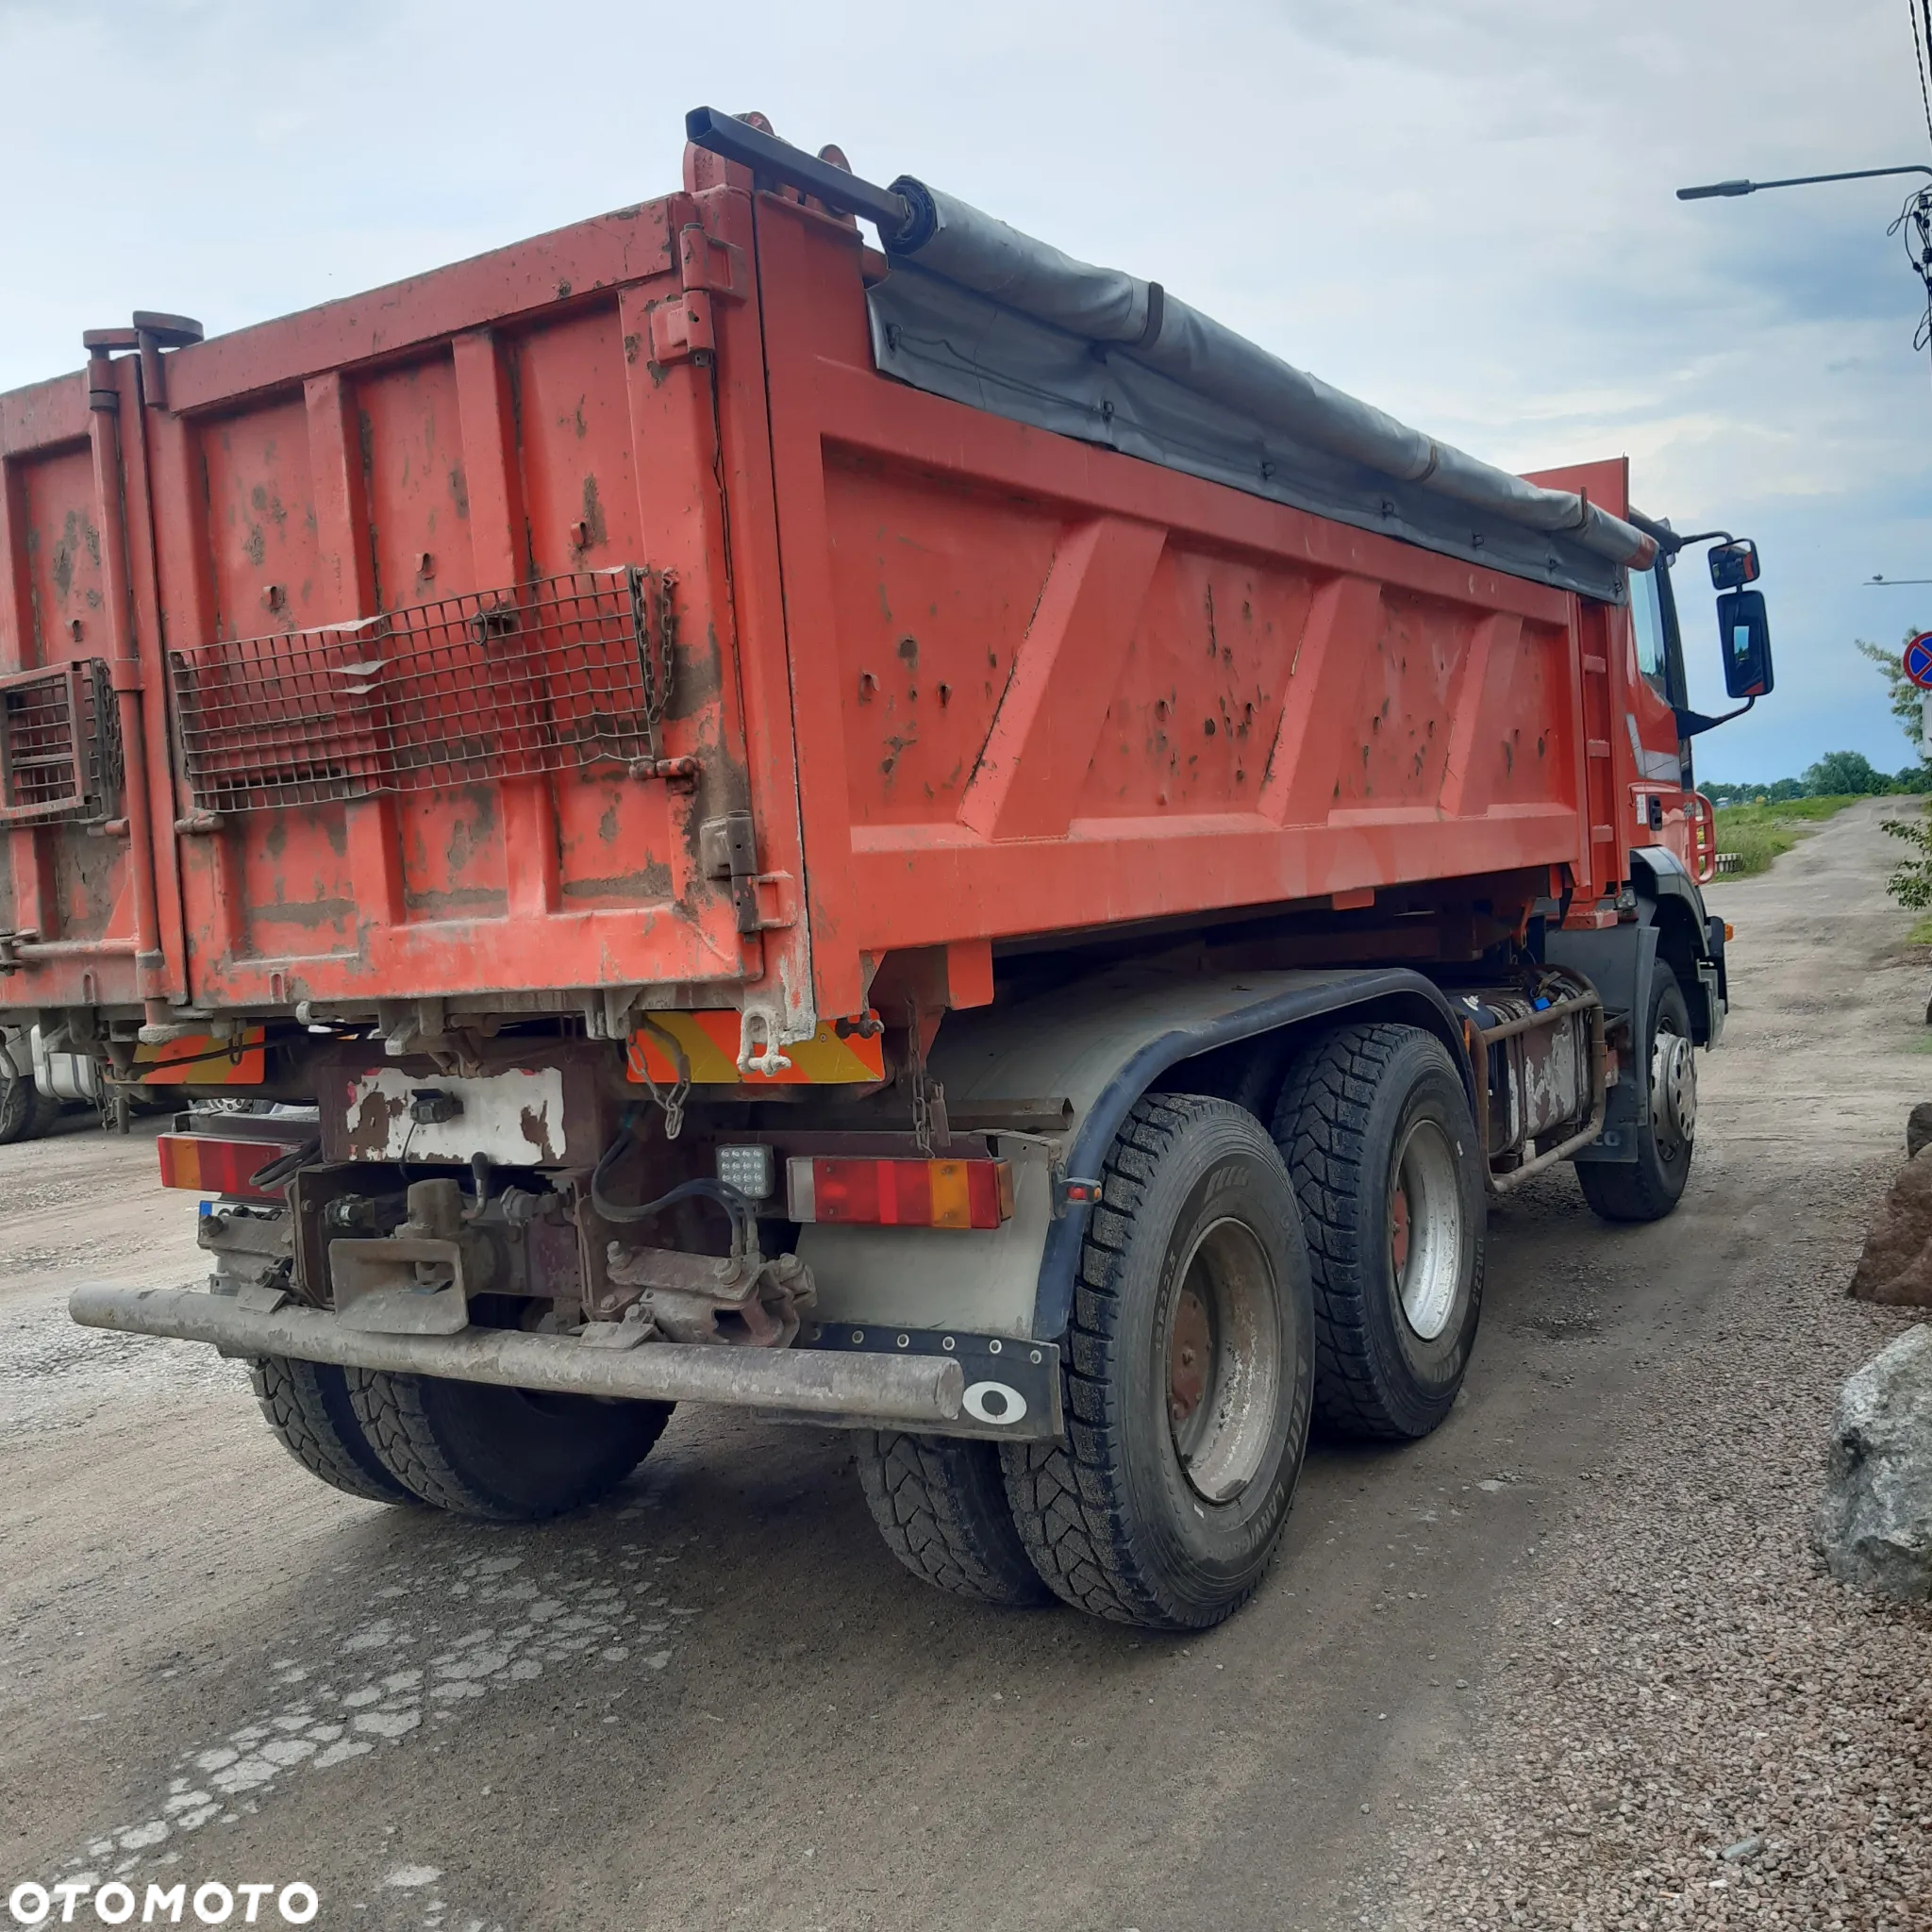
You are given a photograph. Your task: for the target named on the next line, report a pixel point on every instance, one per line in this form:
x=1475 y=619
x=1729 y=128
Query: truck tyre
x=26 y=1112
x=1649 y=1187
x=1375 y=1128
x=940 y=1504
x=1190 y=1360
x=503 y=1455
x=308 y=1405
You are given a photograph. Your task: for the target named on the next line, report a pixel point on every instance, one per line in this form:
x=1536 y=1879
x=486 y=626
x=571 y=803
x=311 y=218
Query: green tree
x=1901 y=695
x=1845 y=773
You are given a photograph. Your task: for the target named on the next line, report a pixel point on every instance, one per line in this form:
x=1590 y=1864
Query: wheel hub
x=1673 y=1088
x=1190 y=1355
x=1425 y=1228
x=1222 y=1362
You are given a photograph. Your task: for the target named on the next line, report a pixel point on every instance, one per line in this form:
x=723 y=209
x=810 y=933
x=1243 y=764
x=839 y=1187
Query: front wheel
x=1188 y=1381
x=1649 y=1187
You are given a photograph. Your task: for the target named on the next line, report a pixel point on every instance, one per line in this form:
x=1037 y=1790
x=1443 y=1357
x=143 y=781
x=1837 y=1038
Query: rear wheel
x=1649 y=1187
x=308 y=1406
x=1376 y=1130
x=505 y=1455
x=1188 y=1381
x=941 y=1505
x=26 y=1112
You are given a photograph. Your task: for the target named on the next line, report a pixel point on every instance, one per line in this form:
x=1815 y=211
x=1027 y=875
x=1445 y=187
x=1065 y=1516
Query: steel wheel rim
x=1425 y=1228
x=1672 y=1091
x=1221 y=1352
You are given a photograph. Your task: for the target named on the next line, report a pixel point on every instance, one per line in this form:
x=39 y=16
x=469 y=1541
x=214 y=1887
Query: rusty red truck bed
x=450 y=614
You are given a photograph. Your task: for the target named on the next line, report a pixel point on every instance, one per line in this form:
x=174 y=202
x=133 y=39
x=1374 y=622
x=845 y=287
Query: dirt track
x=716 y=1702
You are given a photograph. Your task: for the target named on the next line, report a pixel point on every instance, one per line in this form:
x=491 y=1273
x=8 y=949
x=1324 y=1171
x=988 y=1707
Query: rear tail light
x=900 y=1193
x=218 y=1166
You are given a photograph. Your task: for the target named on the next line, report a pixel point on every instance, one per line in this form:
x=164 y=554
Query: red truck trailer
x=916 y=838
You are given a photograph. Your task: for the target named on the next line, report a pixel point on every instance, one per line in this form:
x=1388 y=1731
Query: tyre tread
x=314 y=1421
x=1322 y=1127
x=1068 y=1510
x=390 y=1409
x=395 y=1415
x=942 y=1508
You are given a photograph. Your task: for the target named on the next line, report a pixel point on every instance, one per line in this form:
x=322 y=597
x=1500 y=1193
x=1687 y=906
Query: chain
x=672 y=1102
x=915 y=1065
x=655 y=625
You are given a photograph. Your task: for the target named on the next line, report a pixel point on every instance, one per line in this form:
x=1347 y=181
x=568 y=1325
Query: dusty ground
x=1542 y=1669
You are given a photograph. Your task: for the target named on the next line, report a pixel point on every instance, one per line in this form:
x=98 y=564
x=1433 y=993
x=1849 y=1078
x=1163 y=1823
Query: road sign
x=1917 y=659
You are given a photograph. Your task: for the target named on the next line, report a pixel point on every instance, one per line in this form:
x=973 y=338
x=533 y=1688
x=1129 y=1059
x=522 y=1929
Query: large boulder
x=1875 y=1526
x=1896 y=1266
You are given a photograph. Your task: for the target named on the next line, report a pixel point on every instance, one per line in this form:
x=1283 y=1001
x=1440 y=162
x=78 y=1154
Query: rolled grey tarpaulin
x=976 y=311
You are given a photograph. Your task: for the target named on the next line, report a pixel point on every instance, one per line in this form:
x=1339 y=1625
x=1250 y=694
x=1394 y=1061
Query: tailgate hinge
x=727 y=849
x=709 y=271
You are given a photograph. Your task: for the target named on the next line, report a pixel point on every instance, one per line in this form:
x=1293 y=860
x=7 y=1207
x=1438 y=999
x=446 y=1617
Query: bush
x=1911 y=884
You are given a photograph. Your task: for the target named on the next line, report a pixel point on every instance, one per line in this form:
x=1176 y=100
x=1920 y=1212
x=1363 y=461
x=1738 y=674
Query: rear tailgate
x=426 y=598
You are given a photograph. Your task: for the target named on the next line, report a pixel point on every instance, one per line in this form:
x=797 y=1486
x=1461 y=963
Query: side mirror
x=1733 y=566
x=1744 y=636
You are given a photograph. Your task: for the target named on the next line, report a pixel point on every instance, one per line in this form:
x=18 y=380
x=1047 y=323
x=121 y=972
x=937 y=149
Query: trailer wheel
x=504 y=1455
x=26 y=1112
x=308 y=1406
x=1649 y=1187
x=941 y=1505
x=1375 y=1128
x=1187 y=1389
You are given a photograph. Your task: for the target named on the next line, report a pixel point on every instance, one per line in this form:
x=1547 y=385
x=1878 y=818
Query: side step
x=890 y=1389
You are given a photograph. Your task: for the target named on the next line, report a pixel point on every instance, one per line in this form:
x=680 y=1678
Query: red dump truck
x=917 y=838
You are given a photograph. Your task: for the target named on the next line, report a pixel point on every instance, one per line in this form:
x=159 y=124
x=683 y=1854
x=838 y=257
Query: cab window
x=1647 y=621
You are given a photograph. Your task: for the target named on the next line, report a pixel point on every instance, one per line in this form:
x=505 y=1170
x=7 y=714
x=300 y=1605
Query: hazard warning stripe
x=709 y=1041
x=202 y=1059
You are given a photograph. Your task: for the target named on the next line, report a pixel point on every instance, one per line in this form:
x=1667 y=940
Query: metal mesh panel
x=552 y=675
x=60 y=743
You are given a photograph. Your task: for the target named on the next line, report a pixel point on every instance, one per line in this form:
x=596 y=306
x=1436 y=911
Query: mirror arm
x=1689 y=723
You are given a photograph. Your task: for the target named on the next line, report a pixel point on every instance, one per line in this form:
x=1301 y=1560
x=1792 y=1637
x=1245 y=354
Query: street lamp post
x=1713 y=188
x=1917 y=210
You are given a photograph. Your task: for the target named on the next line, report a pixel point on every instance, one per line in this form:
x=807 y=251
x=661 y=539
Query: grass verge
x=1759 y=833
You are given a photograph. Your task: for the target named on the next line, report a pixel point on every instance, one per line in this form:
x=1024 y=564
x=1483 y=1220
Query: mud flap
x=1620 y=964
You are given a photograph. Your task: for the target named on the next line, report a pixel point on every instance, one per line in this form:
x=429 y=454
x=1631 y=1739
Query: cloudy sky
x=1459 y=210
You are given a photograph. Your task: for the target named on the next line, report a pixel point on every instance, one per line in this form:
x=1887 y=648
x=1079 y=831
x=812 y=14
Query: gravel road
x=1689 y=1723
x=1544 y=1668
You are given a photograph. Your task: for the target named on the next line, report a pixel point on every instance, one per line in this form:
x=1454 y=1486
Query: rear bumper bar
x=812 y=1382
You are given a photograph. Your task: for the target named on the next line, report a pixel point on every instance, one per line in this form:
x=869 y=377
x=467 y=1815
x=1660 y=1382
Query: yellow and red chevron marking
x=709 y=1041
x=202 y=1059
